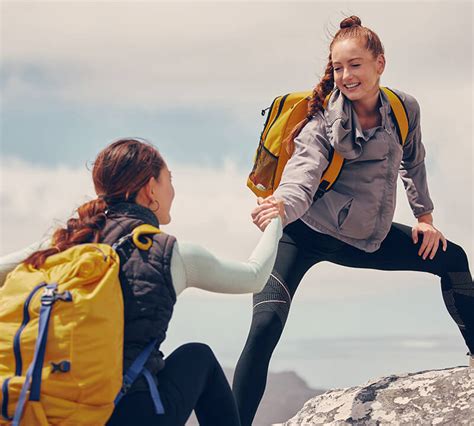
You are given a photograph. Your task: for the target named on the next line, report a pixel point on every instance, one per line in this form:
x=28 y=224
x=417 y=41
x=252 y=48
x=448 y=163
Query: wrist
x=426 y=218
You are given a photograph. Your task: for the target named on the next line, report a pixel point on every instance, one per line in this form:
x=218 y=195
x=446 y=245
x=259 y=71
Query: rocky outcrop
x=436 y=397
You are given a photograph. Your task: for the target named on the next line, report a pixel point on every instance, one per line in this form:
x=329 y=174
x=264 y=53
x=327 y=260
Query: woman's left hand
x=431 y=239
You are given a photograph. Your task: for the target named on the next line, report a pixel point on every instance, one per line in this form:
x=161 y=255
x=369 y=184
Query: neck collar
x=343 y=127
x=133 y=210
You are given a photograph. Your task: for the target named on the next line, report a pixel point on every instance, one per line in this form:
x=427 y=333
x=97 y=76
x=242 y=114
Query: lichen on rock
x=438 y=397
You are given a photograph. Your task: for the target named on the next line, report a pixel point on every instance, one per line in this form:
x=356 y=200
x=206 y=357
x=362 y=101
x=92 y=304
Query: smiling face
x=356 y=71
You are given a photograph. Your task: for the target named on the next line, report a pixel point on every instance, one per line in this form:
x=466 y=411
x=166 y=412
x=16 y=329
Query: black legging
x=191 y=380
x=299 y=249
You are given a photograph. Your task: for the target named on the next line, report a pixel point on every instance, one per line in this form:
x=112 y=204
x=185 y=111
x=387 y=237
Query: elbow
x=261 y=284
x=260 y=278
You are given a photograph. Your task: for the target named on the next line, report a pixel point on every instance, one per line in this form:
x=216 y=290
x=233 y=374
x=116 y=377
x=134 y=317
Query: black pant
x=299 y=249
x=192 y=379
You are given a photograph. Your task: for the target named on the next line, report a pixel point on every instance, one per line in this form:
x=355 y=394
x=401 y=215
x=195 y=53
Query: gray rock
x=436 y=397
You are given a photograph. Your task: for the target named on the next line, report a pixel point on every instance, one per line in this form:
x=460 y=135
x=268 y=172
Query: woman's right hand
x=267 y=209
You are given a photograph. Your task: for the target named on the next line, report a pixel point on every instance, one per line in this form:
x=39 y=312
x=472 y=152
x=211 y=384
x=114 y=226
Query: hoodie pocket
x=344 y=215
x=355 y=221
x=333 y=209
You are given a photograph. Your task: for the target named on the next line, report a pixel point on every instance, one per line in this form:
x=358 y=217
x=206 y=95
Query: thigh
x=185 y=377
x=180 y=385
x=299 y=249
x=295 y=256
x=134 y=408
x=193 y=379
x=398 y=253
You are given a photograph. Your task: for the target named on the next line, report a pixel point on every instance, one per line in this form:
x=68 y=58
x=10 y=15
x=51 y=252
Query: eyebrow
x=350 y=60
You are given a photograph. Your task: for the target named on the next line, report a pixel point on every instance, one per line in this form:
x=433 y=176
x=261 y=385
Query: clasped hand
x=267 y=209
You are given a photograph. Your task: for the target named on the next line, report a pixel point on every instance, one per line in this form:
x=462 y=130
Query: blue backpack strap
x=5 y=400
x=33 y=374
x=155 y=395
x=135 y=370
x=138 y=366
x=22 y=399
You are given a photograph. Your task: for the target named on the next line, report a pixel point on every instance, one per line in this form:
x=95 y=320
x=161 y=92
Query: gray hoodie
x=359 y=209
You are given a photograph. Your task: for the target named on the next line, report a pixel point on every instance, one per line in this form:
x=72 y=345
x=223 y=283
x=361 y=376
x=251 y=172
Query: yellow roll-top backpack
x=61 y=340
x=284 y=114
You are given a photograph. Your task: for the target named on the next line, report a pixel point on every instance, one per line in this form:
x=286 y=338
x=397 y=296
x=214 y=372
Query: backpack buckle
x=62 y=367
x=126 y=387
x=322 y=189
x=50 y=295
x=319 y=193
x=65 y=296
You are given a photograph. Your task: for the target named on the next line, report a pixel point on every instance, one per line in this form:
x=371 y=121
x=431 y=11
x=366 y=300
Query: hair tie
x=104 y=198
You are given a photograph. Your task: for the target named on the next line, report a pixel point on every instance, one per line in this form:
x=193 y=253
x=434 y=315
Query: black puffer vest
x=147 y=288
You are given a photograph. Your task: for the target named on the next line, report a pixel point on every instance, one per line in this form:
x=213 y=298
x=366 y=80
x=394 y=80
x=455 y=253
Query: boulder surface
x=437 y=397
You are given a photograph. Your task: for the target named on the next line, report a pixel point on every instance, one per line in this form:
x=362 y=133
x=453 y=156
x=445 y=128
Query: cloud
x=193 y=77
x=152 y=54
x=212 y=207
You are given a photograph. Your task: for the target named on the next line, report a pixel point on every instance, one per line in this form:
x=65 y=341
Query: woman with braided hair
x=134 y=187
x=351 y=225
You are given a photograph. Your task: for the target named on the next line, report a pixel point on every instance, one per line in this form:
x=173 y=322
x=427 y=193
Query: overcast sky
x=192 y=78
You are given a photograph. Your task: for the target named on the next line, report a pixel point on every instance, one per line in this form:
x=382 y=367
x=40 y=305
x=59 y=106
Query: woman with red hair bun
x=350 y=225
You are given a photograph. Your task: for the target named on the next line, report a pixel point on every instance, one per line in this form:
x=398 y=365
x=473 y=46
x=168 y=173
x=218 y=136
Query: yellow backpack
x=61 y=340
x=284 y=114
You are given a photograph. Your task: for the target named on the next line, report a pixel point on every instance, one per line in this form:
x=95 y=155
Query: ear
x=146 y=193
x=380 y=63
x=150 y=188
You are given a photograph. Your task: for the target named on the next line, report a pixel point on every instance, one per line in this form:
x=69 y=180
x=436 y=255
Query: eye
x=337 y=69
x=356 y=65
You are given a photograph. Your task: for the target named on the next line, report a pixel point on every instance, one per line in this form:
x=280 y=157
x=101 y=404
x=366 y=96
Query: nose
x=346 y=75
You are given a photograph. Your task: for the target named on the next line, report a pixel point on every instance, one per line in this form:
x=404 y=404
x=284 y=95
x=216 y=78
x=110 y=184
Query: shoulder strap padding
x=400 y=113
x=140 y=231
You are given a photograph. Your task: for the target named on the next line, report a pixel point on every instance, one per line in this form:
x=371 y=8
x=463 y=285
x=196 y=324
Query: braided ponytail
x=85 y=229
x=120 y=171
x=323 y=88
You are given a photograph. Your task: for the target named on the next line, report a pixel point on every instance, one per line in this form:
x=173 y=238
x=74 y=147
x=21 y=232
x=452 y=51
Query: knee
x=455 y=259
x=271 y=307
x=198 y=350
x=266 y=327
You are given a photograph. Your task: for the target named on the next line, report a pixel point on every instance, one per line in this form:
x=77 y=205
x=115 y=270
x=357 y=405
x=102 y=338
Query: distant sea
x=322 y=357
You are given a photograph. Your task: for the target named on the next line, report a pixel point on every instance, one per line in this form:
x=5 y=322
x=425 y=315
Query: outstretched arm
x=194 y=266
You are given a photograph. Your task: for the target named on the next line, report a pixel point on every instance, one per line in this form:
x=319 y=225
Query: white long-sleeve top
x=194 y=266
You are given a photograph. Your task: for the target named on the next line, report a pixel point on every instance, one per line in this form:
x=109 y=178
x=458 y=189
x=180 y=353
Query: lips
x=351 y=86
